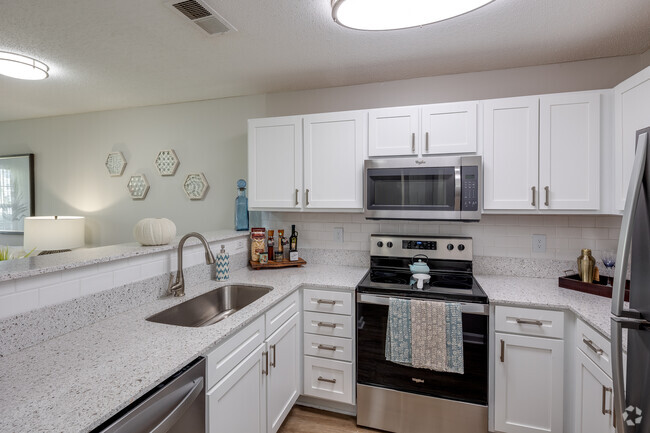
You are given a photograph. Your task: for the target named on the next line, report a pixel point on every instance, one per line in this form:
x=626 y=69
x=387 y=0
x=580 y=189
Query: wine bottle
x=293 y=244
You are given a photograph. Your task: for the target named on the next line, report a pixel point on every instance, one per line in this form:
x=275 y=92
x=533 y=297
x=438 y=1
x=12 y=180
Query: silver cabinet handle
x=502 y=358
x=413 y=142
x=529 y=322
x=265 y=370
x=327 y=347
x=307 y=197
x=547 y=189
x=322 y=379
x=590 y=344
x=326 y=301
x=427 y=141
x=604 y=408
x=533 y=190
x=457 y=188
x=272 y=347
x=296 y=197
x=327 y=325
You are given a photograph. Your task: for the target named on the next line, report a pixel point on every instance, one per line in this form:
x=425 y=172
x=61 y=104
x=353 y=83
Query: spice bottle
x=270 y=244
x=279 y=251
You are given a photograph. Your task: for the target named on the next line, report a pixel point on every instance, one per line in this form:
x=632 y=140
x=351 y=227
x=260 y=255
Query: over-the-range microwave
x=432 y=188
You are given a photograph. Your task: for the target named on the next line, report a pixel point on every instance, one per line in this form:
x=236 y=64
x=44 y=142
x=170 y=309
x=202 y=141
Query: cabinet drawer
x=331 y=380
x=328 y=324
x=282 y=312
x=324 y=301
x=529 y=321
x=595 y=346
x=323 y=346
x=228 y=355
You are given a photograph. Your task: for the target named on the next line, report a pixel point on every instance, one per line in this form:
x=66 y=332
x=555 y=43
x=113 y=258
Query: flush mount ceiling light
x=22 y=67
x=398 y=14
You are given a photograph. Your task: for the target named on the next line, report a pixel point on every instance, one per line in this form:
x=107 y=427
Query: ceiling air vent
x=203 y=16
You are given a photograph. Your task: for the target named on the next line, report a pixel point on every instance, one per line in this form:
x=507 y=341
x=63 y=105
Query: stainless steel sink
x=210 y=307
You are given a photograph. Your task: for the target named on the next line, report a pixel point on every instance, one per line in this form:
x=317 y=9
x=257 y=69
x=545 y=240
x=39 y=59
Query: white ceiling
x=108 y=54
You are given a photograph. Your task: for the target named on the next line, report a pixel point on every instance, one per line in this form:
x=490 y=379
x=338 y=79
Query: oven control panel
x=434 y=247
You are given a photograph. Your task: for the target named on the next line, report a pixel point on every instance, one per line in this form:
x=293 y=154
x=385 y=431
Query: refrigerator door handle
x=618 y=405
x=627 y=225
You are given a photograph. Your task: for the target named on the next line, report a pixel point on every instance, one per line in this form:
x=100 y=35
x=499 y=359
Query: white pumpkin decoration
x=154 y=231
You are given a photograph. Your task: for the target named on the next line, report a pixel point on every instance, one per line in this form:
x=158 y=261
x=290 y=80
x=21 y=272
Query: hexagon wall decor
x=115 y=163
x=195 y=186
x=166 y=162
x=138 y=187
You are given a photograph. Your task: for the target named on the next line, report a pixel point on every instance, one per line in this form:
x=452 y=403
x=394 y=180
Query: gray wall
x=210 y=136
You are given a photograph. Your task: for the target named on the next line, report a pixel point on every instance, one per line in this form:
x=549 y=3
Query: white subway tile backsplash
x=20 y=302
x=38 y=281
x=96 y=283
x=370 y=228
x=7 y=287
x=582 y=221
x=57 y=293
x=75 y=274
x=152 y=269
x=126 y=275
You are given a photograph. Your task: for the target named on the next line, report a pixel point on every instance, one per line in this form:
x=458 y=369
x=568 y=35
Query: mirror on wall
x=16 y=192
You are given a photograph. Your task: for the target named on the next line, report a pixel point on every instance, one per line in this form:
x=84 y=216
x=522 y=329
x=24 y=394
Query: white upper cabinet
x=449 y=128
x=510 y=153
x=333 y=160
x=394 y=131
x=569 y=151
x=423 y=130
x=274 y=162
x=632 y=112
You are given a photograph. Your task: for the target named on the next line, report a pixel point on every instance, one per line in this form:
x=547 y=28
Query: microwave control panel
x=469 y=187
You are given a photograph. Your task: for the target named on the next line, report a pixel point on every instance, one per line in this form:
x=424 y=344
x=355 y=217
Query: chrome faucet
x=177 y=288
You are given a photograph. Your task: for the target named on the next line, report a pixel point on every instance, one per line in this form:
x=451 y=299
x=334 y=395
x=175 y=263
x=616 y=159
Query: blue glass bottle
x=241 y=206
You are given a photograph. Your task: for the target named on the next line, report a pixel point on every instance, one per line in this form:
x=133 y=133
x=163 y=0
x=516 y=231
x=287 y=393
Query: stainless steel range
x=400 y=398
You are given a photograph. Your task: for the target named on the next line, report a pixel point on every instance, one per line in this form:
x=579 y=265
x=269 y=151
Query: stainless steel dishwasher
x=177 y=405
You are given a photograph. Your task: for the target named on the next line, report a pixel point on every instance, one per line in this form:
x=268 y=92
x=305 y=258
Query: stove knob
x=389 y=244
x=461 y=247
x=450 y=247
x=380 y=244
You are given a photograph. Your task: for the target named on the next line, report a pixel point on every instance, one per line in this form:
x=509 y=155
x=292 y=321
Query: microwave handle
x=458 y=189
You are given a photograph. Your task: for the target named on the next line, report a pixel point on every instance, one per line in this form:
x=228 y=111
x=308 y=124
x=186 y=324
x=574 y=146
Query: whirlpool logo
x=632 y=415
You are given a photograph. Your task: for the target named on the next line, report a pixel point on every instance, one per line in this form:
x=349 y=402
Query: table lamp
x=52 y=234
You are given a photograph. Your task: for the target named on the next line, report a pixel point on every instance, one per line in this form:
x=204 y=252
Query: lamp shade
x=54 y=232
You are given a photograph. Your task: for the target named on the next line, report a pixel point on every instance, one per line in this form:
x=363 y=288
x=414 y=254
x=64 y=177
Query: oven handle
x=467 y=307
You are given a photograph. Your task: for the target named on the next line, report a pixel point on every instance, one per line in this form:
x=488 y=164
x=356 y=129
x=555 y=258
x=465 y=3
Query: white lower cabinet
x=528 y=384
x=258 y=392
x=593 y=397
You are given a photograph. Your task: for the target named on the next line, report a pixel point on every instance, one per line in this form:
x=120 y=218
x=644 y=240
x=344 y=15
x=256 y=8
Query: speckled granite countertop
x=36 y=265
x=545 y=293
x=74 y=382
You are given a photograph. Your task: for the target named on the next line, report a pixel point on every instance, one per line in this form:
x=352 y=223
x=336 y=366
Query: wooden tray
x=599 y=288
x=272 y=264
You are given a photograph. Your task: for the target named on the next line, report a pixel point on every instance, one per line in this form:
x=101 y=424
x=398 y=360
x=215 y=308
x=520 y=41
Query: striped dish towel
x=425 y=334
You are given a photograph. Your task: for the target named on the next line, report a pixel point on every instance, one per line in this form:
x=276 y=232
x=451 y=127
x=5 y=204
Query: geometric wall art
x=138 y=187
x=115 y=163
x=166 y=162
x=195 y=186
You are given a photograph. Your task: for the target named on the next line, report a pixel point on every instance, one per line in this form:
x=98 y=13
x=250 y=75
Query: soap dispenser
x=223 y=264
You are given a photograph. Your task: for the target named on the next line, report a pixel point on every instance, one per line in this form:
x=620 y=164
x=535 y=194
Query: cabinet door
x=510 y=153
x=569 y=151
x=593 y=397
x=528 y=380
x=449 y=128
x=237 y=404
x=394 y=131
x=333 y=147
x=274 y=163
x=632 y=112
x=283 y=385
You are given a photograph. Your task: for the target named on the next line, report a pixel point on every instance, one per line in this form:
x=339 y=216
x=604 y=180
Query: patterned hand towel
x=437 y=336
x=398 y=331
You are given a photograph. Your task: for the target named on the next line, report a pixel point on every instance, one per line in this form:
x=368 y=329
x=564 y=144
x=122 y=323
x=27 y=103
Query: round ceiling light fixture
x=399 y=14
x=22 y=67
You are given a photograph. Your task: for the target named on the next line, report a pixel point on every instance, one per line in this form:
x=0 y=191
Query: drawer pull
x=322 y=379
x=604 y=408
x=590 y=344
x=529 y=322
x=327 y=325
x=326 y=301
x=327 y=347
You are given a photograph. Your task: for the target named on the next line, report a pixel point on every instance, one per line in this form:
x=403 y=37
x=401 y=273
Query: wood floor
x=307 y=420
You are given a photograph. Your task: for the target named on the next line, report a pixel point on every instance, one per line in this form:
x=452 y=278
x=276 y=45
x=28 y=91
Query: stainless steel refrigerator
x=632 y=397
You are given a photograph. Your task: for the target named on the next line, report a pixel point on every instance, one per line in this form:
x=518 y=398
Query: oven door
x=373 y=369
